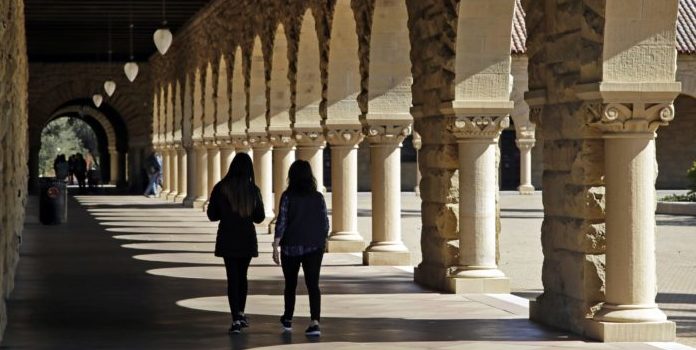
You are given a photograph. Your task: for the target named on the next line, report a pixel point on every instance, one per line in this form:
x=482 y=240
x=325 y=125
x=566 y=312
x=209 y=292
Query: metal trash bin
x=53 y=201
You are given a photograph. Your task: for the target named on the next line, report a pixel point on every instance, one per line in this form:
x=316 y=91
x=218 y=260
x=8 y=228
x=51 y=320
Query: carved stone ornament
x=240 y=141
x=638 y=117
x=282 y=140
x=259 y=140
x=389 y=133
x=488 y=126
x=310 y=137
x=345 y=136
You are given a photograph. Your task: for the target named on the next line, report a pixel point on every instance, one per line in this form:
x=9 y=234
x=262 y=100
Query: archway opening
x=509 y=160
x=75 y=135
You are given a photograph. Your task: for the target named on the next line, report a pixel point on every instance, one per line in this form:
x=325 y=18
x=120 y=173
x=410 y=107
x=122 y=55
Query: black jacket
x=236 y=236
x=305 y=221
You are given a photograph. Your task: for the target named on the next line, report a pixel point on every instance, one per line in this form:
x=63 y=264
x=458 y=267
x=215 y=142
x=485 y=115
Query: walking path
x=129 y=272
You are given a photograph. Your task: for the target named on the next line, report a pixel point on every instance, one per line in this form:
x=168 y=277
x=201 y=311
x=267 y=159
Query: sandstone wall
x=13 y=143
x=564 y=49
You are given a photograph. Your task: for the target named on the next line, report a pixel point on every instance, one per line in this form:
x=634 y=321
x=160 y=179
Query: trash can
x=53 y=201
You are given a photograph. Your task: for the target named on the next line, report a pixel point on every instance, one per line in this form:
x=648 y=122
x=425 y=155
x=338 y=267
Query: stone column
x=163 y=151
x=201 y=178
x=182 y=183
x=263 y=163
x=417 y=144
x=344 y=235
x=113 y=166
x=477 y=271
x=213 y=166
x=525 y=146
x=629 y=312
x=283 y=157
x=310 y=147
x=173 y=173
x=386 y=247
x=227 y=154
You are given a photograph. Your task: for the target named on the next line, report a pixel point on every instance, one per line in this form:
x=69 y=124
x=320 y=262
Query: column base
x=267 y=226
x=663 y=331
x=432 y=276
x=199 y=202
x=387 y=258
x=462 y=285
x=171 y=196
x=180 y=198
x=526 y=189
x=163 y=194
x=344 y=243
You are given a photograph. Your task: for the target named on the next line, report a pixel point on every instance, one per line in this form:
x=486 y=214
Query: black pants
x=237 y=284
x=311 y=264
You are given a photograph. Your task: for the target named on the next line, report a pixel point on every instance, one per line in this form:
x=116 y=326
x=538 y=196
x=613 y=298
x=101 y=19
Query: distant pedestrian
x=153 y=168
x=302 y=226
x=80 y=171
x=71 y=169
x=60 y=167
x=236 y=202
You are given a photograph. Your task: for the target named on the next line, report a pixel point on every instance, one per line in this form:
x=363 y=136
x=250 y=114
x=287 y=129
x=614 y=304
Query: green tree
x=64 y=136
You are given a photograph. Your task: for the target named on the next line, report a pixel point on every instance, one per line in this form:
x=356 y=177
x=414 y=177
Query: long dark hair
x=300 y=178
x=238 y=185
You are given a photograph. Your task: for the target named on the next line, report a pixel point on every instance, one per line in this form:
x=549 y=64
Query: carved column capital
x=387 y=132
x=417 y=141
x=259 y=140
x=282 y=140
x=479 y=126
x=240 y=141
x=525 y=144
x=629 y=117
x=309 y=137
x=345 y=136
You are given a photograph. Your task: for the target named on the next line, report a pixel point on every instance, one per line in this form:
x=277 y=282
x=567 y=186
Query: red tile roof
x=686 y=28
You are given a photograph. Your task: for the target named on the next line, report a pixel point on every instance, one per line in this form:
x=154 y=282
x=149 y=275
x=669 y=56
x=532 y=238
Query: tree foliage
x=65 y=136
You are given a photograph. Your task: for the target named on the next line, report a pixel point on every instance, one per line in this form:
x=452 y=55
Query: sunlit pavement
x=132 y=272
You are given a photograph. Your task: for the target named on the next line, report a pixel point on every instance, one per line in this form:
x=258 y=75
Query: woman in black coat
x=236 y=202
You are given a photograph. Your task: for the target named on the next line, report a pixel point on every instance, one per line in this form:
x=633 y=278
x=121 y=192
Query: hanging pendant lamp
x=109 y=87
x=97 y=99
x=110 y=84
x=163 y=37
x=131 y=68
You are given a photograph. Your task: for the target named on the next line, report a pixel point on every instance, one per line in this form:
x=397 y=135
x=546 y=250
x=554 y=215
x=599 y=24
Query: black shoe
x=243 y=321
x=236 y=328
x=287 y=323
x=313 y=330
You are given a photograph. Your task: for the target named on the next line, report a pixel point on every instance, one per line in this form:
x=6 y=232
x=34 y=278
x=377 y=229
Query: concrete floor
x=136 y=273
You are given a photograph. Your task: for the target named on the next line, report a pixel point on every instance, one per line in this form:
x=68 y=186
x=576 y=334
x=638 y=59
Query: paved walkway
x=132 y=273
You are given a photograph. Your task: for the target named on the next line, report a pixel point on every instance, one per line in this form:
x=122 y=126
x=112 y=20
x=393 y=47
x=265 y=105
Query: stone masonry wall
x=433 y=40
x=564 y=51
x=13 y=143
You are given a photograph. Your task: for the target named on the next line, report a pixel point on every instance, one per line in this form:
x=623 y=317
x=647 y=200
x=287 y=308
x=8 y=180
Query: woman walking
x=237 y=203
x=300 y=237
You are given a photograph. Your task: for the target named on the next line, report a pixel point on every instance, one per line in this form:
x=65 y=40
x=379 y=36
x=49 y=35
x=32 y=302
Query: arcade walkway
x=133 y=273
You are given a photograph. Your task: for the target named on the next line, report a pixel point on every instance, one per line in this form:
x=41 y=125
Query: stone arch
x=280 y=99
x=308 y=80
x=257 y=89
x=209 y=99
x=222 y=100
x=390 y=80
x=344 y=66
x=238 y=96
x=197 y=105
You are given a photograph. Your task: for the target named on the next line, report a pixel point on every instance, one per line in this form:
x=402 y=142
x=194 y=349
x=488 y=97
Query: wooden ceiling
x=77 y=30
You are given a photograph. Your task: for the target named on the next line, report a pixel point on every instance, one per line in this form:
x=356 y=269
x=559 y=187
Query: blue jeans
x=152 y=184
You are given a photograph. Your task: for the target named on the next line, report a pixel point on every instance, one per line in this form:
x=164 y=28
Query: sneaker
x=313 y=329
x=287 y=323
x=236 y=327
x=243 y=321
